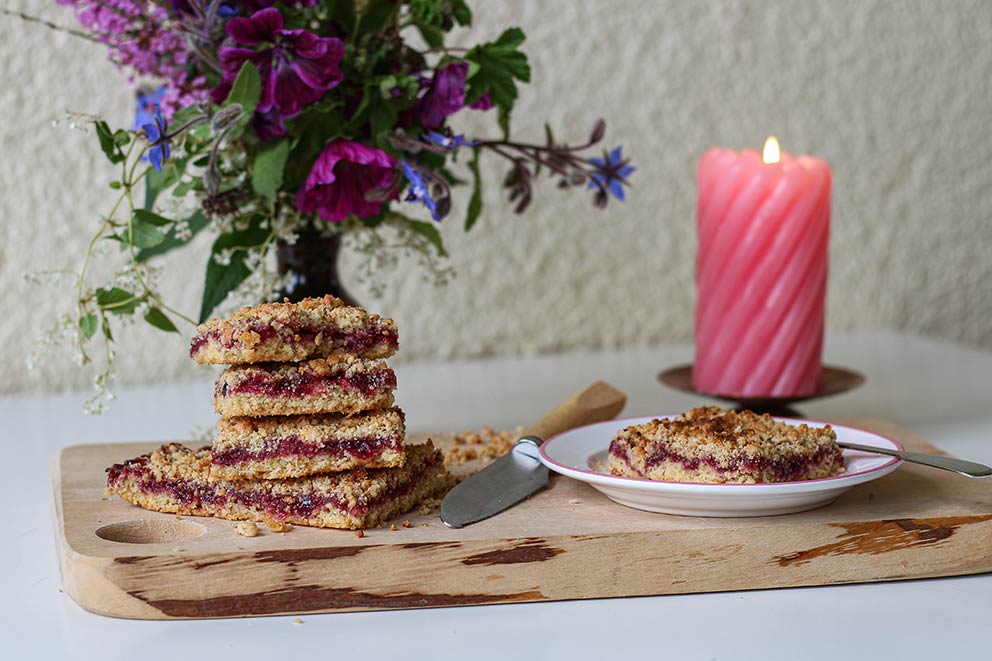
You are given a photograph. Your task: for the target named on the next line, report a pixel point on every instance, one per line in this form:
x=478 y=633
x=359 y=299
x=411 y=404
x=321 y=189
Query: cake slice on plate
x=710 y=445
x=177 y=479
x=277 y=447
x=293 y=332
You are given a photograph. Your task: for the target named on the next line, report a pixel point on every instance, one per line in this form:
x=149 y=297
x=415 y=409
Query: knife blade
x=519 y=473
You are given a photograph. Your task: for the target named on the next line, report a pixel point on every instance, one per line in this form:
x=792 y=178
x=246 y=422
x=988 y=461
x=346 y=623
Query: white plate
x=582 y=453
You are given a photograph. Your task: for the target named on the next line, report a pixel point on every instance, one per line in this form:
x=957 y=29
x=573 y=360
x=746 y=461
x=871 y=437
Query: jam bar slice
x=711 y=445
x=292 y=332
x=177 y=479
x=337 y=384
x=297 y=446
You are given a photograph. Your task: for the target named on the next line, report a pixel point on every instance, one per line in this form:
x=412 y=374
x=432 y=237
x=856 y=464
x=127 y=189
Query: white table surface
x=941 y=391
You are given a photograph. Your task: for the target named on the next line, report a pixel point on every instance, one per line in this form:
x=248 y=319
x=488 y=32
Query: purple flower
x=147 y=103
x=611 y=173
x=268 y=125
x=419 y=191
x=445 y=95
x=142 y=37
x=158 y=139
x=343 y=178
x=482 y=103
x=297 y=68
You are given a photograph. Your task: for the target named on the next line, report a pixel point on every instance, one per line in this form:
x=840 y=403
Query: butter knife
x=959 y=466
x=519 y=473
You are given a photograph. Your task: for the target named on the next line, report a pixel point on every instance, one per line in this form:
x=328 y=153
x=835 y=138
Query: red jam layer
x=786 y=469
x=191 y=493
x=347 y=341
x=363 y=448
x=302 y=385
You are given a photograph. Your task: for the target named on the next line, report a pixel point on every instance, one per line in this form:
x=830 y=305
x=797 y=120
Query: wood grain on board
x=567 y=542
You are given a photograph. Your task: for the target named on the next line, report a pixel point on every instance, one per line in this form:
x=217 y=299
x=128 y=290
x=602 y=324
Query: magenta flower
x=342 y=178
x=445 y=95
x=297 y=68
x=482 y=103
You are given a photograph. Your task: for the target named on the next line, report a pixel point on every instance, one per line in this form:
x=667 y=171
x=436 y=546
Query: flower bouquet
x=268 y=120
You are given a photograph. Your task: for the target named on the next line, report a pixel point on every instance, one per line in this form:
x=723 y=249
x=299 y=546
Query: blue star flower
x=418 y=190
x=227 y=10
x=611 y=173
x=158 y=139
x=449 y=141
x=146 y=105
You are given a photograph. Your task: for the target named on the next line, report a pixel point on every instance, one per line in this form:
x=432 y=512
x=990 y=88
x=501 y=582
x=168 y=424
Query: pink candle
x=761 y=269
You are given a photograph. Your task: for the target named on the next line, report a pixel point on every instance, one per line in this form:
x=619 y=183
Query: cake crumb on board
x=246 y=529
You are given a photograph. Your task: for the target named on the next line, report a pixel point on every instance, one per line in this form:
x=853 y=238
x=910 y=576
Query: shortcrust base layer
x=706 y=470
x=176 y=479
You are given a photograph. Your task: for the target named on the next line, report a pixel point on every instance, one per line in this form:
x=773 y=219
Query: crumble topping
x=285 y=331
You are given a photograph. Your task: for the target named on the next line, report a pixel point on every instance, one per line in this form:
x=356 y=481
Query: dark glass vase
x=313 y=264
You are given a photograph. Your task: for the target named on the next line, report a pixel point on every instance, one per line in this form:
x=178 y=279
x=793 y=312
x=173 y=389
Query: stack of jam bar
x=308 y=433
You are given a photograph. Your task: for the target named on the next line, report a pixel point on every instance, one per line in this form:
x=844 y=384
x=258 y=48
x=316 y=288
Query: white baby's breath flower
x=223 y=257
x=182 y=231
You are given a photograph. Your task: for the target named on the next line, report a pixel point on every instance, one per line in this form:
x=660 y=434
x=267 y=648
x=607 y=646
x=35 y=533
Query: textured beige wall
x=894 y=95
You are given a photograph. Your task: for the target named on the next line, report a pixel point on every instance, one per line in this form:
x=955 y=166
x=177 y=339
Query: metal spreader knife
x=519 y=473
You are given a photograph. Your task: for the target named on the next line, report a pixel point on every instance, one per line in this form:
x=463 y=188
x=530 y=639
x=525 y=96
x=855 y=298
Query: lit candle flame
x=771 y=153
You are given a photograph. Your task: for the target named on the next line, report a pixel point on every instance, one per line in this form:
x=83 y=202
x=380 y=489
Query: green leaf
x=461 y=12
x=107 y=143
x=475 y=203
x=246 y=90
x=116 y=300
x=184 y=187
x=106 y=330
x=430 y=232
x=499 y=65
x=196 y=223
x=88 y=325
x=147 y=216
x=382 y=119
x=270 y=163
x=157 y=318
x=221 y=279
x=374 y=16
x=433 y=35
x=157 y=181
x=343 y=13
x=144 y=235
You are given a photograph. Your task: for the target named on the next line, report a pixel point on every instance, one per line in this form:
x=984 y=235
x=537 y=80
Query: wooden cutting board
x=567 y=542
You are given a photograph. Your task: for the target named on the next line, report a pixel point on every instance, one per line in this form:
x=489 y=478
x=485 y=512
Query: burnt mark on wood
x=285 y=556
x=431 y=545
x=213 y=563
x=310 y=598
x=877 y=537
x=534 y=550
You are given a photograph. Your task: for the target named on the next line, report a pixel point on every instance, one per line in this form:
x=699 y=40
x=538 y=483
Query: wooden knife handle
x=596 y=403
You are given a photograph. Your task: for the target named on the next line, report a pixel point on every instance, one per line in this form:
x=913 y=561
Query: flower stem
x=48 y=24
